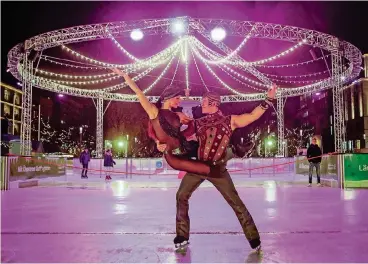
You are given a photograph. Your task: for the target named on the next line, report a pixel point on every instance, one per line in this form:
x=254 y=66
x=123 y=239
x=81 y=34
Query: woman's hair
x=169 y=92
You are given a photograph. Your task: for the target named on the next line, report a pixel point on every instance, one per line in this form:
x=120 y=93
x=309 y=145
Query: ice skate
x=181 y=244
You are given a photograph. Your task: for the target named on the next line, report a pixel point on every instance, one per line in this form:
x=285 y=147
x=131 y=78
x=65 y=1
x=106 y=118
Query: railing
x=128 y=167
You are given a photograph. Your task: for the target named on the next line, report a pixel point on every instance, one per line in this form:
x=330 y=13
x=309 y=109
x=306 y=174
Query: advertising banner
x=356 y=170
x=30 y=167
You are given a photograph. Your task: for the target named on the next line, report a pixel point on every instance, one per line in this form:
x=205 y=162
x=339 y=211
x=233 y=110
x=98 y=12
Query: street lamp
x=126 y=147
x=80 y=134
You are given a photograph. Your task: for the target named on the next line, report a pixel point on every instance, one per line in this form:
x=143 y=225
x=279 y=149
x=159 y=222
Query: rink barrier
x=129 y=167
x=5 y=173
x=273 y=168
x=351 y=169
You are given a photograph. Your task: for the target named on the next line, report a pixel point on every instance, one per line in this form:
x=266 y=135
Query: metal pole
x=39 y=122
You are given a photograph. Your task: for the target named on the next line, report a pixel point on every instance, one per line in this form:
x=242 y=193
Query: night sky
x=22 y=20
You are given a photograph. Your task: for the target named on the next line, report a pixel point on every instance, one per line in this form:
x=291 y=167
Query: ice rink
x=133 y=220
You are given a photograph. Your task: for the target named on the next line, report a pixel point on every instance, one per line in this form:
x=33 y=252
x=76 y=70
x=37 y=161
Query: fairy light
x=293 y=48
x=293 y=64
x=229 y=69
x=297 y=76
x=239 y=81
x=234 y=52
x=199 y=73
x=218 y=78
x=281 y=54
x=161 y=75
x=122 y=48
x=54 y=61
x=186 y=65
x=87 y=82
x=161 y=55
x=176 y=70
x=75 y=76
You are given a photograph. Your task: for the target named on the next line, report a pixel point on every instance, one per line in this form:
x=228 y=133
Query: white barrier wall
x=153 y=166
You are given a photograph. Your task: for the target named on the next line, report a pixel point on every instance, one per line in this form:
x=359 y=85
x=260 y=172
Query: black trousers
x=225 y=186
x=85 y=169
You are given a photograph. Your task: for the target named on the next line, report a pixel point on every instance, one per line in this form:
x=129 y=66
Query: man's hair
x=213 y=98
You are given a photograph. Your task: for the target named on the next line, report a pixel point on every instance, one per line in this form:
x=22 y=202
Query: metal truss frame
x=25 y=139
x=23 y=70
x=338 y=100
x=203 y=26
x=99 y=128
x=280 y=104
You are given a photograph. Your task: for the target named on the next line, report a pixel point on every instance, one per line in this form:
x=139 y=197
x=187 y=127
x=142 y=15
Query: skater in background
x=314 y=155
x=84 y=159
x=108 y=164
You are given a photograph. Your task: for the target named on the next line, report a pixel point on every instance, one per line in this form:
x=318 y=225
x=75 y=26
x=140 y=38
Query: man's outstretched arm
x=238 y=121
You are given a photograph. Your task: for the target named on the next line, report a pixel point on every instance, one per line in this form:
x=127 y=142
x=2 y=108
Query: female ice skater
x=164 y=128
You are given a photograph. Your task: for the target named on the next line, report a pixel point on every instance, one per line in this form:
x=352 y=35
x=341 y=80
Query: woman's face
x=174 y=102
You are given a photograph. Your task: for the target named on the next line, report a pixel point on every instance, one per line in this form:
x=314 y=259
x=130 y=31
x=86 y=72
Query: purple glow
x=61 y=95
x=318 y=93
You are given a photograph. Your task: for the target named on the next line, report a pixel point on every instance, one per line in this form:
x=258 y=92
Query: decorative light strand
x=229 y=69
x=186 y=65
x=161 y=75
x=218 y=78
x=122 y=48
x=235 y=51
x=71 y=65
x=255 y=82
x=281 y=54
x=293 y=64
x=297 y=76
x=87 y=82
x=243 y=83
x=199 y=73
x=176 y=70
x=148 y=61
x=75 y=76
x=276 y=56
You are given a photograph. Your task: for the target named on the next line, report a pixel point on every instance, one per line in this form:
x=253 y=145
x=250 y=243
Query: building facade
x=11 y=108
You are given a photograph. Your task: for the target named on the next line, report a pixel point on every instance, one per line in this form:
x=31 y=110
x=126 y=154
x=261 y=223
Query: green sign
x=356 y=170
x=30 y=167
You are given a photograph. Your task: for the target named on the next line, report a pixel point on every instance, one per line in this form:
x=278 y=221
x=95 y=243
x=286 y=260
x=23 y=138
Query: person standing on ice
x=213 y=132
x=108 y=164
x=84 y=159
x=314 y=155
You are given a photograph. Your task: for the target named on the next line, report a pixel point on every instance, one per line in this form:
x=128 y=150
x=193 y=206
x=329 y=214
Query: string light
x=239 y=81
x=122 y=49
x=199 y=73
x=278 y=55
x=186 y=65
x=70 y=65
x=218 y=78
x=176 y=70
x=234 y=52
x=281 y=54
x=161 y=75
x=297 y=76
x=159 y=56
x=75 y=76
x=229 y=69
x=293 y=64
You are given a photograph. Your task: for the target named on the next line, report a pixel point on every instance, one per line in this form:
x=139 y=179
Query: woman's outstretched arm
x=150 y=108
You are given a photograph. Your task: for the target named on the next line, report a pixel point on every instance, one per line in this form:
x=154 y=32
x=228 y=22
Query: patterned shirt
x=213 y=132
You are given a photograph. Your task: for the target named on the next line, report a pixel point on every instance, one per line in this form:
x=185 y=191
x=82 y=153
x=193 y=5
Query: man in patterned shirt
x=213 y=132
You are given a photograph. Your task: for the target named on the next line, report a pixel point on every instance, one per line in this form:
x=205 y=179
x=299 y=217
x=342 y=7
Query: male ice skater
x=213 y=132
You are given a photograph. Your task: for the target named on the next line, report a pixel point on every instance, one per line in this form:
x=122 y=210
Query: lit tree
x=298 y=138
x=47 y=133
